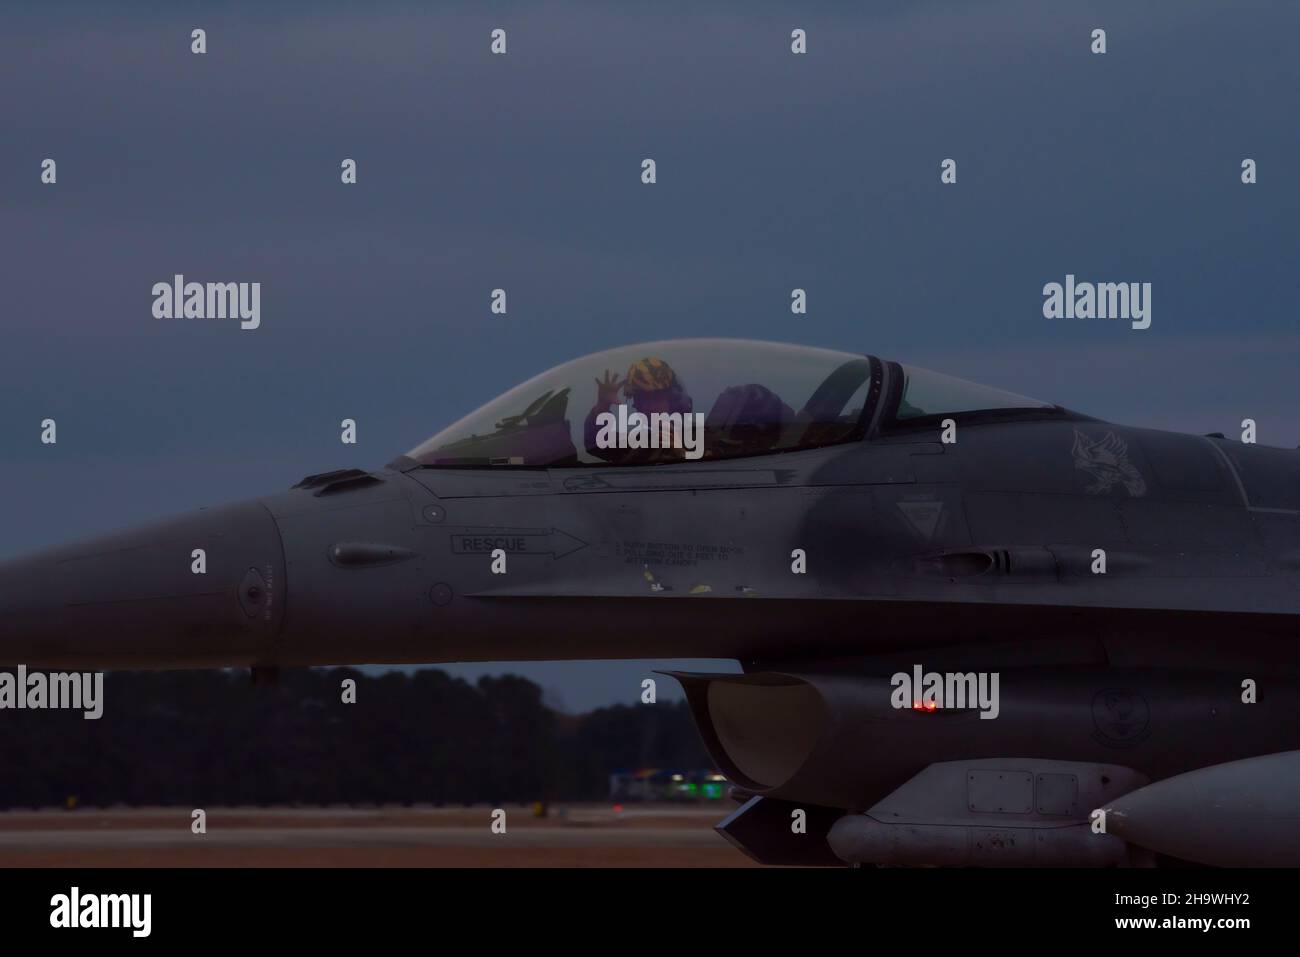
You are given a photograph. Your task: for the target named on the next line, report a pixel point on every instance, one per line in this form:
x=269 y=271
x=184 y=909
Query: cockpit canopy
x=701 y=399
x=691 y=399
x=927 y=395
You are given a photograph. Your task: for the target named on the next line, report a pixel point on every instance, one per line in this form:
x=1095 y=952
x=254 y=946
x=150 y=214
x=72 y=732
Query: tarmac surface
x=569 y=836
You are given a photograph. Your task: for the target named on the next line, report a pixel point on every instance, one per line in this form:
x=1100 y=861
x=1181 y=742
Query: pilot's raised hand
x=607 y=390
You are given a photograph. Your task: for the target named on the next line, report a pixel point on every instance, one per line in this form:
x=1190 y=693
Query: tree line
x=203 y=738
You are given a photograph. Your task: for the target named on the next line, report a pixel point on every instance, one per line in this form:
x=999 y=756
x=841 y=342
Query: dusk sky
x=522 y=171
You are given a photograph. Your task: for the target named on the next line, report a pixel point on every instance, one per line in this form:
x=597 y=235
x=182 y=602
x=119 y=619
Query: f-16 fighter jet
x=975 y=628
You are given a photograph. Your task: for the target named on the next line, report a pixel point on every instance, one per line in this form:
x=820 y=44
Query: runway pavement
x=569 y=836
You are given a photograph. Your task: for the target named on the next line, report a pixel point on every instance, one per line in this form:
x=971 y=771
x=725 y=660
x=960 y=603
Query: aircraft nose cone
x=201 y=590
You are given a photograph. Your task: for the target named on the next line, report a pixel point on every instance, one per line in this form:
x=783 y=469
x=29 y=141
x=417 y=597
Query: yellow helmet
x=650 y=374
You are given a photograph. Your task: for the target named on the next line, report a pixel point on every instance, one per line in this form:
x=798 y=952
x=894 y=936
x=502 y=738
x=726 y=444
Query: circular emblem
x=1121 y=718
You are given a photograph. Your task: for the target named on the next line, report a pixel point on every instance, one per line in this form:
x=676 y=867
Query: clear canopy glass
x=927 y=393
x=699 y=398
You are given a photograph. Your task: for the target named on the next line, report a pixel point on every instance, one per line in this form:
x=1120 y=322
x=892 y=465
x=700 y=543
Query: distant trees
x=210 y=738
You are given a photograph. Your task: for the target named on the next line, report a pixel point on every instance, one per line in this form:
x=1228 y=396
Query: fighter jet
x=975 y=628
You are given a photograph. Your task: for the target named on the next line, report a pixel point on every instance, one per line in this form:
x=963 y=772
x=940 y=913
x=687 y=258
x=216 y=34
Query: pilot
x=650 y=386
x=747 y=420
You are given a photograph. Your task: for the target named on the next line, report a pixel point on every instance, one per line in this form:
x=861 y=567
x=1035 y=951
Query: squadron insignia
x=1106 y=460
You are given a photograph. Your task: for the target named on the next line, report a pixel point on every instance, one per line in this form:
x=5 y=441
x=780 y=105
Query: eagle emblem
x=1106 y=460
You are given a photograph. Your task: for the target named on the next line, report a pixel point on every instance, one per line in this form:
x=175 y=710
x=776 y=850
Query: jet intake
x=766 y=730
x=843 y=740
